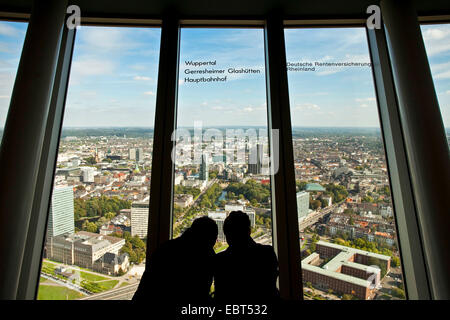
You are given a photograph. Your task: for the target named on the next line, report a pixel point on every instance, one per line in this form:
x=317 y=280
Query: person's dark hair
x=203 y=230
x=236 y=227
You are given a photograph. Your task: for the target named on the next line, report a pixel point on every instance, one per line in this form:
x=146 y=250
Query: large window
x=222 y=162
x=97 y=227
x=12 y=35
x=437 y=45
x=347 y=228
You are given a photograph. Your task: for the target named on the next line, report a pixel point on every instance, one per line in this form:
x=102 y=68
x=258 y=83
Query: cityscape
x=95 y=247
x=96 y=235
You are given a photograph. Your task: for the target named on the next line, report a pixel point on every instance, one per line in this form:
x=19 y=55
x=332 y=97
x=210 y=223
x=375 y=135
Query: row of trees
x=337 y=192
x=178 y=189
x=135 y=247
x=371 y=246
x=252 y=191
x=209 y=198
x=95 y=207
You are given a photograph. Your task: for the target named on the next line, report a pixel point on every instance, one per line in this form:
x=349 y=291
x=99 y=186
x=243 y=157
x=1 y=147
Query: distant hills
x=147 y=132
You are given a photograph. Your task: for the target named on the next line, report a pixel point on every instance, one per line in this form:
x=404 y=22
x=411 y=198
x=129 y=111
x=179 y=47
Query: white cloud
x=142 y=78
x=107 y=39
x=7 y=30
x=90 y=67
x=441 y=70
x=437 y=39
x=371 y=99
x=150 y=93
x=307 y=106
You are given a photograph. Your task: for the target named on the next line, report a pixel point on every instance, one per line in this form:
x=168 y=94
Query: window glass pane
x=347 y=227
x=437 y=44
x=97 y=226
x=12 y=36
x=222 y=110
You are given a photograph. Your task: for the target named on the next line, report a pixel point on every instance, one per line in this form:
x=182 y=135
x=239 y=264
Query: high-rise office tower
x=61 y=216
x=88 y=174
x=255 y=159
x=136 y=154
x=204 y=168
x=219 y=217
x=302 y=204
x=139 y=219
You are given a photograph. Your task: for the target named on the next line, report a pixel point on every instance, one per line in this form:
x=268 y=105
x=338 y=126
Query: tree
x=348 y=211
x=395 y=261
x=90 y=160
x=337 y=192
x=351 y=221
x=213 y=174
x=89 y=226
x=301 y=185
x=399 y=293
x=323 y=203
x=101 y=221
x=315 y=204
x=110 y=215
x=347 y=297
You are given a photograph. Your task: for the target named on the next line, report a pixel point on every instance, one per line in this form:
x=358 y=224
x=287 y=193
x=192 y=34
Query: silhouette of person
x=181 y=269
x=246 y=271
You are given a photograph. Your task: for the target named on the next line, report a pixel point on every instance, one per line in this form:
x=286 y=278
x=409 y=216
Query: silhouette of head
x=237 y=228
x=203 y=231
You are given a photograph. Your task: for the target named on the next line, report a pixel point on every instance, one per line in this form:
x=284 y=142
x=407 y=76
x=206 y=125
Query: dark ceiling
x=303 y=9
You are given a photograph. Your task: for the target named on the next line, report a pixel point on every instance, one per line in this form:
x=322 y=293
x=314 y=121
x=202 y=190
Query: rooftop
x=314 y=187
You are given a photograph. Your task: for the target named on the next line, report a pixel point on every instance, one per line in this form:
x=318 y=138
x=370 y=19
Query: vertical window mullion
x=31 y=264
x=416 y=282
x=285 y=222
x=160 y=219
x=24 y=135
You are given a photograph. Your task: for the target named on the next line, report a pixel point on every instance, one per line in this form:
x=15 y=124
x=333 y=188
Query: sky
x=331 y=96
x=114 y=76
x=12 y=35
x=437 y=44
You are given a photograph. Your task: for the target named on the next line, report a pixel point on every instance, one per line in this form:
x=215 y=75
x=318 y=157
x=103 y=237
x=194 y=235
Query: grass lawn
x=221 y=248
x=52 y=264
x=123 y=284
x=108 y=285
x=57 y=293
x=91 y=277
x=42 y=280
x=48 y=265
